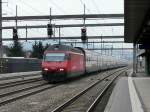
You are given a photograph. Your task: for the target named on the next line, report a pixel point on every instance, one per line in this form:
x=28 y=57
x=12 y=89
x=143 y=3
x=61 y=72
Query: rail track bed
x=11 y=96
x=18 y=76
x=43 y=97
x=84 y=99
x=14 y=90
x=20 y=82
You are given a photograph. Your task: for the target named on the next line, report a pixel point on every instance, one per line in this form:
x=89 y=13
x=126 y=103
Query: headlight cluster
x=45 y=69
x=61 y=69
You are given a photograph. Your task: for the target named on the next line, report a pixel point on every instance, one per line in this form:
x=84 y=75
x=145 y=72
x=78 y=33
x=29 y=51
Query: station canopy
x=137 y=21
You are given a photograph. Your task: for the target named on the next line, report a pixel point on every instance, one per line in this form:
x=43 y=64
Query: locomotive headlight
x=45 y=69
x=61 y=69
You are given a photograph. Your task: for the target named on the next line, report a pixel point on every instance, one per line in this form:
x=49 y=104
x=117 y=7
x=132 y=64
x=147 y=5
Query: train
x=61 y=62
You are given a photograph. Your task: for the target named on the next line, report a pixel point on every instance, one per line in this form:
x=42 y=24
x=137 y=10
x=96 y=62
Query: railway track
x=21 y=88
x=8 y=97
x=81 y=101
x=20 y=76
x=99 y=97
x=15 y=83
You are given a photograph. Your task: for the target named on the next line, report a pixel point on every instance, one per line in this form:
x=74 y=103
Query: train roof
x=57 y=47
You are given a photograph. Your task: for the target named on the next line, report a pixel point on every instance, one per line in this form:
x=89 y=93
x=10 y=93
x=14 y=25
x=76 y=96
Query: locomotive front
x=54 y=65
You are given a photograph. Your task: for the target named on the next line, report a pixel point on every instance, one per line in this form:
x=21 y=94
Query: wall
x=10 y=65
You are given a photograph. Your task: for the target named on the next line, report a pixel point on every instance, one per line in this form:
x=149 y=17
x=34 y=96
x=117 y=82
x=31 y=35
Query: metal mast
x=1 y=43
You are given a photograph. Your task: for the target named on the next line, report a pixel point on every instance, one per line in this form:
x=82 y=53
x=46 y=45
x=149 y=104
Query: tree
x=46 y=46
x=38 y=49
x=16 y=50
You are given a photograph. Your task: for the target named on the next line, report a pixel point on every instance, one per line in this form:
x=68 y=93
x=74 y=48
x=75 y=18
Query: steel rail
x=16 y=77
x=26 y=95
x=22 y=89
x=67 y=103
x=97 y=100
x=15 y=83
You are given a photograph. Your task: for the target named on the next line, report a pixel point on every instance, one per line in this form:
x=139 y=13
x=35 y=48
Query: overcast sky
x=64 y=7
x=41 y=7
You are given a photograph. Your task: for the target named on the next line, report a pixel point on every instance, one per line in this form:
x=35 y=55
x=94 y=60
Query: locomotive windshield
x=54 y=57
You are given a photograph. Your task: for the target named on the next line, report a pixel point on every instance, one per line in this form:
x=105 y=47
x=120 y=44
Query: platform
x=131 y=94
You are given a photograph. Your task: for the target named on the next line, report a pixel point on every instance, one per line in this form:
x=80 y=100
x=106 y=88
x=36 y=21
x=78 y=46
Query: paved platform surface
x=19 y=74
x=142 y=86
x=141 y=74
x=131 y=94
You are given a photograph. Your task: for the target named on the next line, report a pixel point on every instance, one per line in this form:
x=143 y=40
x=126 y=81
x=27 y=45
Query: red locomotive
x=61 y=62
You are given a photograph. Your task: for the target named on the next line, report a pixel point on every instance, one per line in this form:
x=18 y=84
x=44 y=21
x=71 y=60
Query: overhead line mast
x=1 y=43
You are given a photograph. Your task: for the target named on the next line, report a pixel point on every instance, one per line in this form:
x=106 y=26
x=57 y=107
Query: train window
x=54 y=57
x=68 y=57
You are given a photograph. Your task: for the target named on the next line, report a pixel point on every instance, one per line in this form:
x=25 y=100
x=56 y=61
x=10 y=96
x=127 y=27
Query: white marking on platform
x=135 y=101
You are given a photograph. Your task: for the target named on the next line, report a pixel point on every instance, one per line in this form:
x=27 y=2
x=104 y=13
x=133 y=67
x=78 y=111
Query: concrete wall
x=10 y=65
